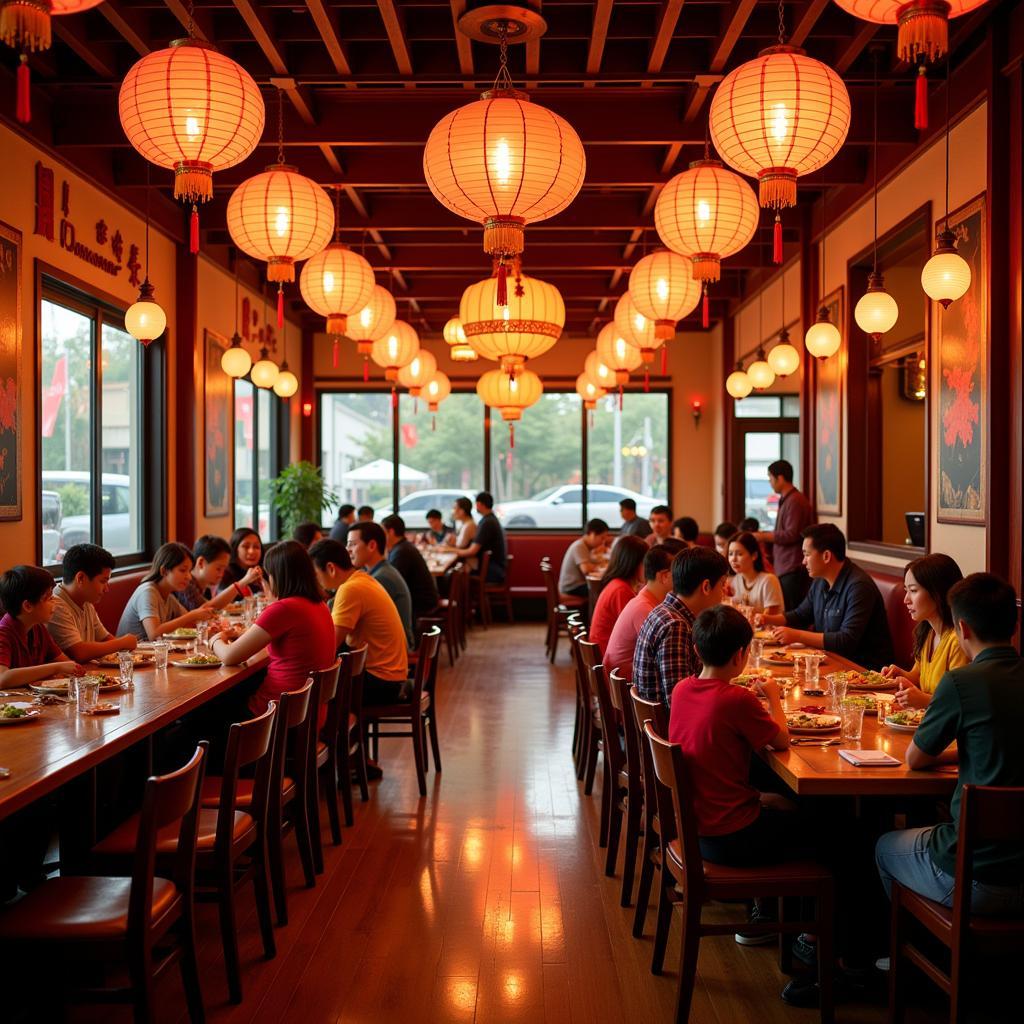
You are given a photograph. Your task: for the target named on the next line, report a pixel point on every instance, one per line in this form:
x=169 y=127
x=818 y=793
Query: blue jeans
x=903 y=856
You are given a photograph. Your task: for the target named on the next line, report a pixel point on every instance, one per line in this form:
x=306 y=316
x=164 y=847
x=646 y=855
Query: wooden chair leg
x=361 y=776
x=614 y=833
x=643 y=892
x=423 y=745
x=189 y=967
x=316 y=844
x=261 y=894
x=435 y=746
x=591 y=759
x=331 y=795
x=418 y=752
x=633 y=811
x=607 y=793
x=275 y=852
x=346 y=767
x=140 y=971
x=690 y=943
x=229 y=937
x=826 y=957
x=588 y=728
x=304 y=835
x=896 y=1004
x=663 y=922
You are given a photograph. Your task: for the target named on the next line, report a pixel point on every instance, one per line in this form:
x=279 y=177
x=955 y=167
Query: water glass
x=202 y=635
x=812 y=677
x=160 y=649
x=88 y=692
x=853 y=722
x=249 y=614
x=126 y=668
x=756 y=651
x=72 y=696
x=837 y=684
x=883 y=705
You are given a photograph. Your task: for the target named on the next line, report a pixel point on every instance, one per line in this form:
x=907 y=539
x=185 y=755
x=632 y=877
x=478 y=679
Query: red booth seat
x=121 y=589
x=901 y=626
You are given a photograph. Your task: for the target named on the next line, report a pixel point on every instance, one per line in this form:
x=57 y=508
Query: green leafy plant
x=74 y=499
x=299 y=495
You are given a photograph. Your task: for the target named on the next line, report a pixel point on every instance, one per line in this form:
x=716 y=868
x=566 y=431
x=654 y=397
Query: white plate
x=30 y=712
x=182 y=664
x=899 y=727
x=808 y=730
x=57 y=686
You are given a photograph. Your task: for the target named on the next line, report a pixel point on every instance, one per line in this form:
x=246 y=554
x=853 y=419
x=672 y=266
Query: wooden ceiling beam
x=97 y=54
x=668 y=17
x=805 y=20
x=463 y=46
x=331 y=40
x=258 y=23
x=855 y=47
x=202 y=22
x=533 y=48
x=396 y=36
x=598 y=37
x=130 y=25
x=730 y=35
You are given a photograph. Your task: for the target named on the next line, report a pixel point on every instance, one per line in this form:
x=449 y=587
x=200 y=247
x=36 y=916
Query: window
x=256 y=461
x=627 y=451
x=766 y=428
x=356 y=447
x=91 y=425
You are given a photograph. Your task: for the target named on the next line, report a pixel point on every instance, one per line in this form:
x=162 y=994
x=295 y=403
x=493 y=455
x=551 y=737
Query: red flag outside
x=54 y=395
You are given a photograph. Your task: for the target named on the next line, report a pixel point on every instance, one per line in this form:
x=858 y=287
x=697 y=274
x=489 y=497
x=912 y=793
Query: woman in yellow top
x=936 y=650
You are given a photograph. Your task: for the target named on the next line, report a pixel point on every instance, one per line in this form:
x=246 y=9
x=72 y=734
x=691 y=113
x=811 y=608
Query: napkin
x=869 y=758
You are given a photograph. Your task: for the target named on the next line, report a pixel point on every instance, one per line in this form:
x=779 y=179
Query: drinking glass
x=72 y=681
x=250 y=611
x=160 y=649
x=853 y=721
x=812 y=678
x=756 y=650
x=883 y=705
x=126 y=667
x=202 y=635
x=800 y=663
x=836 y=690
x=88 y=691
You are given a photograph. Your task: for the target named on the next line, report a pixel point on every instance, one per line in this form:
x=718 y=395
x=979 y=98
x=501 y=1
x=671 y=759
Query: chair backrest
x=618 y=686
x=485 y=564
x=590 y=654
x=291 y=735
x=648 y=711
x=248 y=744
x=350 y=687
x=609 y=719
x=425 y=675
x=167 y=799
x=550 y=587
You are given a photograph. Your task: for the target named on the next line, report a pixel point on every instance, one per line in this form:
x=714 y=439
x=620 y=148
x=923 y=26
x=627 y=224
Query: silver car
x=561 y=507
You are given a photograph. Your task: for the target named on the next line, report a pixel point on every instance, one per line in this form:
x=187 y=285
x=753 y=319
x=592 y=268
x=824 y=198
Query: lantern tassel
x=502 y=290
x=777 y=241
x=921 y=99
x=394 y=398
x=415 y=406
x=280 y=306
x=366 y=370
x=705 y=310
x=433 y=423
x=511 y=437
x=23 y=103
x=193 y=231
x=664 y=360
x=334 y=355
x=647 y=379
x=620 y=398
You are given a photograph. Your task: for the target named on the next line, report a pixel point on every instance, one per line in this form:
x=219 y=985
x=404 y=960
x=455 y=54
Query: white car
x=413 y=508
x=560 y=507
x=115 y=496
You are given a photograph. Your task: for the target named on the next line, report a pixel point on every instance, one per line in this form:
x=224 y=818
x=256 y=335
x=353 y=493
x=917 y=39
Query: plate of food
x=861 y=700
x=199 y=661
x=58 y=687
x=138 y=658
x=807 y=723
x=107 y=683
x=749 y=680
x=905 y=721
x=182 y=633
x=103 y=708
x=17 y=712
x=863 y=680
x=780 y=657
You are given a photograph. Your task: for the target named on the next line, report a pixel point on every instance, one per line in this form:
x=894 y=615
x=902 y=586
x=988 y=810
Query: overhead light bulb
x=760 y=373
x=287 y=383
x=144 y=320
x=783 y=358
x=823 y=338
x=264 y=371
x=738 y=383
x=876 y=311
x=235 y=362
x=947 y=275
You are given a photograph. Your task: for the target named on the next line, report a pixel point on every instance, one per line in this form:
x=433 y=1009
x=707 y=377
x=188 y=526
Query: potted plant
x=299 y=495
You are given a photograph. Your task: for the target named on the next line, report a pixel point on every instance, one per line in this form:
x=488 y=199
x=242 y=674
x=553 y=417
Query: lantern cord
x=620 y=398
x=782 y=25
x=415 y=405
x=874 y=160
x=190 y=27
x=433 y=423
x=945 y=219
x=23 y=101
x=647 y=379
x=280 y=125
x=707 y=139
x=503 y=80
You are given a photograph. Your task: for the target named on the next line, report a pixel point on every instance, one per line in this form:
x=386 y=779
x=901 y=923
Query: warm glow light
x=876 y=311
x=510 y=395
x=662 y=290
x=738 y=384
x=589 y=391
x=336 y=283
x=783 y=358
x=616 y=353
x=417 y=372
x=598 y=371
x=235 y=362
x=373 y=321
x=923 y=24
x=823 y=338
x=760 y=374
x=144 y=319
x=947 y=275
x=436 y=390
x=287 y=383
x=264 y=371
x=459 y=349
x=396 y=349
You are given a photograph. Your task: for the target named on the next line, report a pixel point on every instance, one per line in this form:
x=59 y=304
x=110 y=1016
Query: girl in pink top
x=624 y=574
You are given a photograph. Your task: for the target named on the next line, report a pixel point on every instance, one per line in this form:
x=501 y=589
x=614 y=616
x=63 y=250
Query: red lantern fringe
x=280 y=306
x=366 y=370
x=23 y=103
x=394 y=398
x=921 y=99
x=193 y=231
x=777 y=241
x=705 y=310
x=502 y=291
x=664 y=360
x=334 y=354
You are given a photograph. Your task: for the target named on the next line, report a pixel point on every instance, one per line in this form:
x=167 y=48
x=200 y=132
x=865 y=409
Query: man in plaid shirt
x=664 y=647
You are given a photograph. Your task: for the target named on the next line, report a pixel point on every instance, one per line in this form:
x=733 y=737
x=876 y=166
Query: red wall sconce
x=307 y=408
x=697 y=410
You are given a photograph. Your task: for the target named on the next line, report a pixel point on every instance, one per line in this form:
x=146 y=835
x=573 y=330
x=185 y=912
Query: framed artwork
x=828 y=417
x=10 y=373
x=962 y=350
x=217 y=393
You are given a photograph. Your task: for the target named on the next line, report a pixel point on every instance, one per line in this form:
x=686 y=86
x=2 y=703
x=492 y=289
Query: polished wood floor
x=487 y=901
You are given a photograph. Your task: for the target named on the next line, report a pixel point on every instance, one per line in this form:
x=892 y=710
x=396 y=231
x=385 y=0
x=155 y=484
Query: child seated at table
x=27 y=651
x=75 y=626
x=154 y=610
x=210 y=557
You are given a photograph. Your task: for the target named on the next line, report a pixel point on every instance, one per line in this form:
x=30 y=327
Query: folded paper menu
x=869 y=758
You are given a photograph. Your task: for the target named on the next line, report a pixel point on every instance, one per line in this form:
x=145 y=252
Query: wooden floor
x=485 y=902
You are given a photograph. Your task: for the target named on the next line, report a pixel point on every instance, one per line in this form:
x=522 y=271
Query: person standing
x=631 y=522
x=794 y=516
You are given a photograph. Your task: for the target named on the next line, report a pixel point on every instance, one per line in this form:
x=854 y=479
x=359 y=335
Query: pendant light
x=947 y=275
x=264 y=371
x=502 y=160
x=373 y=321
x=194 y=111
x=640 y=332
x=759 y=372
x=738 y=383
x=236 y=362
x=662 y=288
x=144 y=320
x=416 y=374
x=435 y=391
x=823 y=338
x=876 y=311
x=589 y=391
x=287 y=383
x=510 y=395
x=778 y=117
x=598 y=371
x=617 y=354
x=397 y=348
x=459 y=348
x=783 y=357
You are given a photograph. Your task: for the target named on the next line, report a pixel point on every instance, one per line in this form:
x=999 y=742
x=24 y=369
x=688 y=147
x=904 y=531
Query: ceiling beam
x=258 y=23
x=332 y=42
x=855 y=47
x=463 y=46
x=202 y=23
x=97 y=54
x=396 y=36
x=598 y=37
x=730 y=35
x=130 y=25
x=805 y=20
x=668 y=17
x=533 y=48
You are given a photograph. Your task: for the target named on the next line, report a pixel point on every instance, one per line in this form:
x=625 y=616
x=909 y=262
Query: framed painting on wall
x=217 y=392
x=962 y=350
x=828 y=417
x=10 y=373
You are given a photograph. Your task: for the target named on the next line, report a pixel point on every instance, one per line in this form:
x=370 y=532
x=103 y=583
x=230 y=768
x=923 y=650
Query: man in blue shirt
x=843 y=611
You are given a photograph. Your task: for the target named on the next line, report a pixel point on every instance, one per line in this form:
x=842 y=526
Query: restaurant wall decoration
x=962 y=339
x=217 y=390
x=828 y=418
x=10 y=372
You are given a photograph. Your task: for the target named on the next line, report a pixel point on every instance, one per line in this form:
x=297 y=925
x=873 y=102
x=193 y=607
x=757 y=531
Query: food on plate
x=184 y=633
x=910 y=717
x=779 y=657
x=235 y=608
x=138 y=658
x=809 y=720
x=749 y=679
x=863 y=680
x=201 y=659
x=764 y=634
x=12 y=711
x=861 y=700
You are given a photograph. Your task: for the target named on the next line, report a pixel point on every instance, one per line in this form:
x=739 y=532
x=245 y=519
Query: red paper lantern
x=923 y=24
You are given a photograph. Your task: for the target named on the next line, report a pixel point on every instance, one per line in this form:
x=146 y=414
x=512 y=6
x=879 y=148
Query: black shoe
x=806 y=952
x=806 y=993
x=758 y=915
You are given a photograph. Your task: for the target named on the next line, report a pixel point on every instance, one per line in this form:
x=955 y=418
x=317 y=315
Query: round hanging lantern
x=947 y=275
x=636 y=329
x=783 y=357
x=760 y=373
x=597 y=371
x=504 y=162
x=876 y=311
x=373 y=321
x=144 y=319
x=509 y=395
x=706 y=213
x=459 y=348
x=738 y=383
x=236 y=362
x=264 y=371
x=662 y=289
x=589 y=391
x=194 y=111
x=397 y=348
x=25 y=24
x=823 y=338
x=280 y=216
x=417 y=372
x=617 y=354
x=336 y=283
x=436 y=390
x=528 y=325
x=778 y=117
x=287 y=383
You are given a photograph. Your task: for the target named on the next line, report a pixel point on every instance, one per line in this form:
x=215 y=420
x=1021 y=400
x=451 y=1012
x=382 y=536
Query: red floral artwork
x=8 y=404
x=960 y=365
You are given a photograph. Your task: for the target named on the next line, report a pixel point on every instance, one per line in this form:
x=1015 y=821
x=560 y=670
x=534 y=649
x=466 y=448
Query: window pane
x=121 y=442
x=441 y=456
x=758 y=405
x=355 y=447
x=791 y=406
x=628 y=452
x=264 y=461
x=66 y=415
x=244 y=422
x=761 y=450
x=547 y=454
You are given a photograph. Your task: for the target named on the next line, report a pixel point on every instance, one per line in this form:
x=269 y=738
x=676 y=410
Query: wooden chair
x=450 y=611
x=988 y=814
x=478 y=601
x=231 y=846
x=418 y=712
x=144 y=921
x=575 y=626
x=590 y=658
x=323 y=755
x=688 y=882
x=351 y=748
x=501 y=592
x=557 y=611
x=632 y=777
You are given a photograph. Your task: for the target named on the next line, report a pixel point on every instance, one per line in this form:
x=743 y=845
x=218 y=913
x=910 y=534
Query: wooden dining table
x=61 y=745
x=811 y=769
x=439 y=562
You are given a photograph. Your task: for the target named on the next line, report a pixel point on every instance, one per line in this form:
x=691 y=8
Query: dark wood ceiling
x=368 y=79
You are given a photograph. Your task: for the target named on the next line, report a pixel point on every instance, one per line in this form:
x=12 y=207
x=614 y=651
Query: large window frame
x=487 y=415
x=55 y=286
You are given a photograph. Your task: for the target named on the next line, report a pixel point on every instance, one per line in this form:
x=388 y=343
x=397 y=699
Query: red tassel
x=921 y=99
x=335 y=353
x=502 y=292
x=705 y=311
x=280 y=306
x=433 y=423
x=647 y=379
x=511 y=440
x=193 y=231
x=777 y=241
x=620 y=398
x=23 y=103
x=664 y=360
x=394 y=398
x=366 y=370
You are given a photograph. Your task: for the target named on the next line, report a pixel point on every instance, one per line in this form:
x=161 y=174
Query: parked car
x=561 y=507
x=413 y=507
x=51 y=516
x=761 y=502
x=115 y=497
